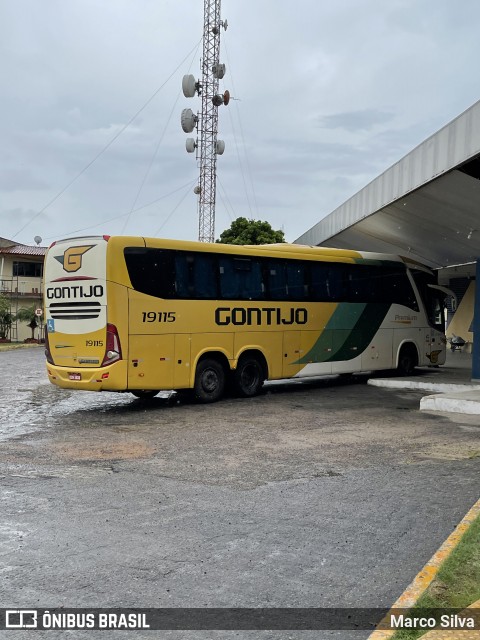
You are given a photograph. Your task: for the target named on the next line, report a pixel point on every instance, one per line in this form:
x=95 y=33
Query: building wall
x=23 y=292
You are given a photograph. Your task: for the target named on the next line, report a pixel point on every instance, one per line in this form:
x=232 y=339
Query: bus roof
x=272 y=250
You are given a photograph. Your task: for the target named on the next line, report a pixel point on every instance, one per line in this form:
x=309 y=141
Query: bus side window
x=151 y=271
x=295 y=272
x=352 y=283
x=161 y=273
x=398 y=288
x=319 y=289
x=337 y=283
x=184 y=275
x=363 y=283
x=205 y=276
x=240 y=278
x=195 y=276
x=277 y=281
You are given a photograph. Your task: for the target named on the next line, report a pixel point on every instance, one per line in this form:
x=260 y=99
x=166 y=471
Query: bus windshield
x=433 y=298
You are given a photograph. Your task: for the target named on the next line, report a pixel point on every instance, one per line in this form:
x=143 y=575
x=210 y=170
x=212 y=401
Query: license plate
x=74 y=376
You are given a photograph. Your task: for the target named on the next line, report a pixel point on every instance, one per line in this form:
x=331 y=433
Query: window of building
x=28 y=269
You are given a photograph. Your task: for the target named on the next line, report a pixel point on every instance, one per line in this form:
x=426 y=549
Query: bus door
x=182 y=366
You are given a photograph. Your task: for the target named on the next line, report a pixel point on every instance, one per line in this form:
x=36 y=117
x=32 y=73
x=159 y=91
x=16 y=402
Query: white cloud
x=329 y=95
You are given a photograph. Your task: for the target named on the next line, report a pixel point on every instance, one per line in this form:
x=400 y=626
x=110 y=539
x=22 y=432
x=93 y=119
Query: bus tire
x=209 y=381
x=143 y=394
x=248 y=377
x=407 y=360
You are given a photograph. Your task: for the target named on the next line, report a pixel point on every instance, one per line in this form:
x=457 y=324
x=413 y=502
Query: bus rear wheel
x=143 y=394
x=407 y=360
x=209 y=381
x=248 y=377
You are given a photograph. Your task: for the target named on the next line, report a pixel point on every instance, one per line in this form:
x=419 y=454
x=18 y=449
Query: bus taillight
x=113 y=351
x=48 y=353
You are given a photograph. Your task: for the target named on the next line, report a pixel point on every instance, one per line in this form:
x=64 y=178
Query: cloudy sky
x=327 y=96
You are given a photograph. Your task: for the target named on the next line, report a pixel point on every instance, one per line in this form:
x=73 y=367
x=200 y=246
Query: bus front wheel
x=407 y=360
x=209 y=381
x=248 y=377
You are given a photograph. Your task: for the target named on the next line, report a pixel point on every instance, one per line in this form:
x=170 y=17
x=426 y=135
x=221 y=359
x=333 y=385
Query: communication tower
x=206 y=146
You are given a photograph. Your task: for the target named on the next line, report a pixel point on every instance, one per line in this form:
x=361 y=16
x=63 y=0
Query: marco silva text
x=445 y=621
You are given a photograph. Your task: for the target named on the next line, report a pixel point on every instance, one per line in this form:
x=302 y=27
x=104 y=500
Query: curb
x=453 y=402
x=424 y=578
x=449 y=397
x=435 y=387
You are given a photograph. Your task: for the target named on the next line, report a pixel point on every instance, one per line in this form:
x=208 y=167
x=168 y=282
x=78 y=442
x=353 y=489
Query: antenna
x=207 y=147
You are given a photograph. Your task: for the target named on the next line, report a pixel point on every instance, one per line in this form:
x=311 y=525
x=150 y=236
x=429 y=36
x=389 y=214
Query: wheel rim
x=210 y=380
x=250 y=377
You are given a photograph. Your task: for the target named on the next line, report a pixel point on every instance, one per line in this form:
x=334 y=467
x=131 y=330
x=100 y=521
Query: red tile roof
x=24 y=250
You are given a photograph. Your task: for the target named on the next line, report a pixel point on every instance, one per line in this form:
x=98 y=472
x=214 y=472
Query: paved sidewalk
x=451 y=385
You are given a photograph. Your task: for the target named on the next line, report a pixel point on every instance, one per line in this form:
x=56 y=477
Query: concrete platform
x=463 y=402
x=451 y=384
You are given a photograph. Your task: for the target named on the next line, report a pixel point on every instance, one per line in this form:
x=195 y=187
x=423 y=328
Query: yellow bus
x=145 y=314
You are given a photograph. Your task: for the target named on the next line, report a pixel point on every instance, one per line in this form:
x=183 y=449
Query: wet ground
x=330 y=493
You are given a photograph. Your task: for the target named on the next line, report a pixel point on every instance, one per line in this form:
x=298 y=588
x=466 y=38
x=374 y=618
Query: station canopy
x=426 y=206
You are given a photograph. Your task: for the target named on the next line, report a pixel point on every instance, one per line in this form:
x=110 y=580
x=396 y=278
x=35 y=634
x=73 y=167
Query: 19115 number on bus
x=158 y=316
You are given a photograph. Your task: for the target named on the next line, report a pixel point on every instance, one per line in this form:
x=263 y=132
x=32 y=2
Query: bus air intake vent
x=75 y=310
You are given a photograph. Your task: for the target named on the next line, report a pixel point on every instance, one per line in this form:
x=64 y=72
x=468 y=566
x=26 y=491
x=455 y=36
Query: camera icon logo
x=21 y=619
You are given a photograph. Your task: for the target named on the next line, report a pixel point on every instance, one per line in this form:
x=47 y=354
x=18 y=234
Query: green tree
x=28 y=315
x=243 y=231
x=6 y=317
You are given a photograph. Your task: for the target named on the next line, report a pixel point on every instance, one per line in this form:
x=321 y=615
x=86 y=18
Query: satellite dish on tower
x=188 y=120
x=37 y=239
x=220 y=98
x=190 y=145
x=220 y=147
x=189 y=86
x=218 y=70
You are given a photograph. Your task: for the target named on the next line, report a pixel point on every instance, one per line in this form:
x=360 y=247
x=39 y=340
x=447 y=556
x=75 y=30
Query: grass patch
x=457 y=584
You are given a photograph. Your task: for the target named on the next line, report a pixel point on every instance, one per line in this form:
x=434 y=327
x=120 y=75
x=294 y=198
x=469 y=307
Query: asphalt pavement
x=324 y=494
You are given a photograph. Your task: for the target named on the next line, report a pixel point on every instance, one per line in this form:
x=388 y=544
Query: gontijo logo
x=71 y=260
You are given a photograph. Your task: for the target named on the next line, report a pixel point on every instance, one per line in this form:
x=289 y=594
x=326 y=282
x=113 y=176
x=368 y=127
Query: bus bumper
x=110 y=378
